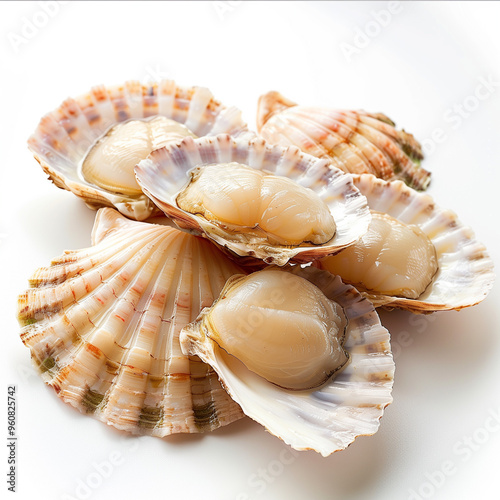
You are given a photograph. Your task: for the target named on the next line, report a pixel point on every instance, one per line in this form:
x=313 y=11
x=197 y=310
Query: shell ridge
x=385 y=151
x=350 y=206
x=371 y=157
x=199 y=103
x=65 y=135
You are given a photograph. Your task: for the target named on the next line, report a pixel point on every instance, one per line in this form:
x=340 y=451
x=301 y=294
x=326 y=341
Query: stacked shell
x=104 y=324
x=154 y=330
x=356 y=142
x=90 y=144
x=255 y=200
x=415 y=254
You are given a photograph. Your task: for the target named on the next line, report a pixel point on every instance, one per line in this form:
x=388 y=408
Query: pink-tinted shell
x=103 y=326
x=166 y=172
x=63 y=136
x=465 y=270
x=355 y=141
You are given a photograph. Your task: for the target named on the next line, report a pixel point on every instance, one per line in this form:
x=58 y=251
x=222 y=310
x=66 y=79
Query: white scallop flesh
x=392 y=258
x=110 y=162
x=282 y=327
x=240 y=198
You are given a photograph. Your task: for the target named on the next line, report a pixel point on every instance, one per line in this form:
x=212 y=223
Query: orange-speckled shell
x=354 y=141
x=103 y=326
x=63 y=137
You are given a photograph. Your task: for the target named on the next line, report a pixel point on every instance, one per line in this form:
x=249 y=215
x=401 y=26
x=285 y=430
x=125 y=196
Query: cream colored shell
x=64 y=136
x=354 y=141
x=167 y=170
x=326 y=419
x=103 y=326
x=465 y=271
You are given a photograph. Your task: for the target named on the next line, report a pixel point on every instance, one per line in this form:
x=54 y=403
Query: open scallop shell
x=167 y=171
x=103 y=327
x=64 y=136
x=355 y=141
x=329 y=418
x=465 y=271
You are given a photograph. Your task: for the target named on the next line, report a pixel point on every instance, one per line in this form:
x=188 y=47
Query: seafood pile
x=261 y=301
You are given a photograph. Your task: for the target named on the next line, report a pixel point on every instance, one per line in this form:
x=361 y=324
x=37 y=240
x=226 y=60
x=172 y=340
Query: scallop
x=103 y=326
x=256 y=200
x=391 y=258
x=281 y=326
x=248 y=201
x=89 y=145
x=110 y=162
x=429 y=260
x=354 y=141
x=301 y=352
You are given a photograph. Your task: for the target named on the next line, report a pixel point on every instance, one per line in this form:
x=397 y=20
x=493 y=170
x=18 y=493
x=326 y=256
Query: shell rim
x=422 y=305
x=189 y=345
x=202 y=227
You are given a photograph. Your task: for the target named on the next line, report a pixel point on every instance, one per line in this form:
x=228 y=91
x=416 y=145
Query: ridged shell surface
x=465 y=271
x=355 y=141
x=167 y=171
x=64 y=136
x=103 y=327
x=329 y=418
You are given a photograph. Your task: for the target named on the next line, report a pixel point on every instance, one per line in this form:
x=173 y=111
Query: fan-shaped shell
x=167 y=170
x=64 y=136
x=355 y=141
x=465 y=271
x=103 y=327
x=329 y=418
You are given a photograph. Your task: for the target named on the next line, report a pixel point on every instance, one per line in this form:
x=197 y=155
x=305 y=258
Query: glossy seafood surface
x=103 y=325
x=327 y=418
x=166 y=172
x=391 y=258
x=356 y=142
x=246 y=200
x=281 y=326
x=64 y=137
x=465 y=271
x=110 y=163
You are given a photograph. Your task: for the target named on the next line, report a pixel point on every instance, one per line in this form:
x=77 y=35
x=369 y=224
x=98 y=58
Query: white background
x=428 y=59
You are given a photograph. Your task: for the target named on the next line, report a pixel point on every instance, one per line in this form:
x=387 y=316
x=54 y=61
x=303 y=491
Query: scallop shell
x=166 y=171
x=465 y=274
x=64 y=136
x=327 y=419
x=355 y=141
x=103 y=327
